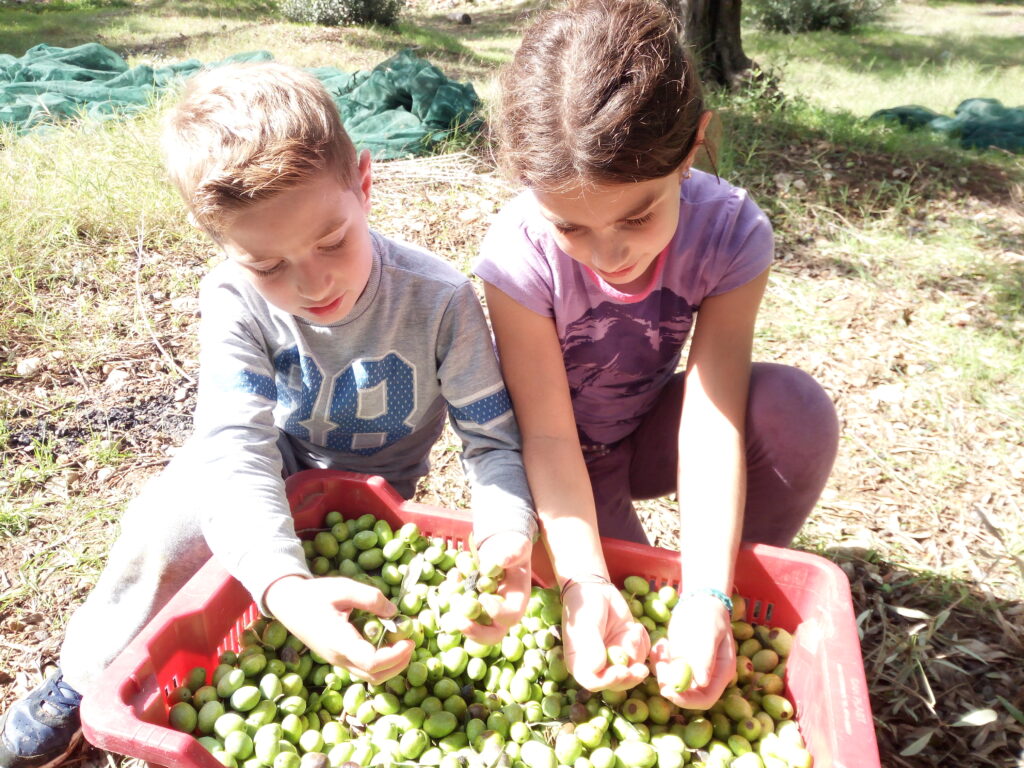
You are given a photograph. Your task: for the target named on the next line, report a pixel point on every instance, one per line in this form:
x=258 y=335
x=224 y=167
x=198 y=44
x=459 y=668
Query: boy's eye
x=640 y=220
x=334 y=246
x=268 y=272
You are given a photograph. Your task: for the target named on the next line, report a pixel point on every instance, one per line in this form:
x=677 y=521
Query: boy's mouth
x=325 y=309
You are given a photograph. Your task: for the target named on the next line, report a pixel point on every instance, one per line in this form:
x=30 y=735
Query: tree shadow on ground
x=935 y=651
x=24 y=26
x=813 y=172
x=887 y=55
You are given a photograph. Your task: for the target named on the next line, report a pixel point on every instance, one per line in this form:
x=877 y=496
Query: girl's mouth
x=617 y=274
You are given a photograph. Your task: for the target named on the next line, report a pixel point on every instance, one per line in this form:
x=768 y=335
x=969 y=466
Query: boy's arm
x=245 y=519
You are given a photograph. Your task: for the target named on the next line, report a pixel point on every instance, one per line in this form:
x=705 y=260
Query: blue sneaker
x=41 y=729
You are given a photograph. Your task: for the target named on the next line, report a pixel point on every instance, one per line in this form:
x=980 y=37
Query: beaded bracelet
x=592 y=578
x=715 y=593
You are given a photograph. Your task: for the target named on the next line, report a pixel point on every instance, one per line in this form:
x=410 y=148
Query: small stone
x=117 y=378
x=29 y=367
x=188 y=305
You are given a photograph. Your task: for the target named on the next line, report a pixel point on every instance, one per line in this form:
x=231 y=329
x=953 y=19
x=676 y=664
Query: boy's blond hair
x=242 y=133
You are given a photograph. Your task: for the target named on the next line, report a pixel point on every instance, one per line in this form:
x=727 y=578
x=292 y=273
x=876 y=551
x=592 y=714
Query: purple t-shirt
x=621 y=349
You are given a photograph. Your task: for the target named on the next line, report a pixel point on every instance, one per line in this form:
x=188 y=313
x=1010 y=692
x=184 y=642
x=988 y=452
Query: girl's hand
x=595 y=617
x=700 y=635
x=317 y=612
x=512 y=552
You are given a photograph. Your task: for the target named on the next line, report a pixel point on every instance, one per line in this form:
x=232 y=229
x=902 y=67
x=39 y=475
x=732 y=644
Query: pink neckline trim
x=630 y=298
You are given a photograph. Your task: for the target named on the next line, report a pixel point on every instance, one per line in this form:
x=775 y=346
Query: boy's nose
x=314 y=288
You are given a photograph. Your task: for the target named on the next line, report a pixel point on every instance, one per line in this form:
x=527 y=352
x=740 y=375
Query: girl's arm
x=534 y=372
x=712 y=486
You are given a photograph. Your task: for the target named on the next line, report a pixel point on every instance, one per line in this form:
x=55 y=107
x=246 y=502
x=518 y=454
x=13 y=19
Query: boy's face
x=307 y=250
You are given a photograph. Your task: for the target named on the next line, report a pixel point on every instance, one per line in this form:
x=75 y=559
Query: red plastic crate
x=802 y=593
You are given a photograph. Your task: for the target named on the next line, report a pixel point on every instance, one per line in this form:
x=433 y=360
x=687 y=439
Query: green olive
x=183 y=717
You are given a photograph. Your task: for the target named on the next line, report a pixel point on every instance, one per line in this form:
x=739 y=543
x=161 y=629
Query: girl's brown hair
x=602 y=91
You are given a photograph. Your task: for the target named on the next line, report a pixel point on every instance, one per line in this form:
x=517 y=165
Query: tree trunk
x=712 y=28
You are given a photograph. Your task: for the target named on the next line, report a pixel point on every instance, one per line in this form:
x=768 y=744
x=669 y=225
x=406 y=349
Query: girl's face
x=616 y=230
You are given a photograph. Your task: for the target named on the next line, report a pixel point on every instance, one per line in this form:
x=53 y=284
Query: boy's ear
x=365 y=178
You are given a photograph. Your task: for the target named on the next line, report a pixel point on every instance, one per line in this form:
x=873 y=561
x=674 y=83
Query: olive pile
x=461 y=704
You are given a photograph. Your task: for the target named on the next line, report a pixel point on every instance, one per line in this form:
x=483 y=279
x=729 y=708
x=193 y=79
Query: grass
x=936 y=60
x=899 y=284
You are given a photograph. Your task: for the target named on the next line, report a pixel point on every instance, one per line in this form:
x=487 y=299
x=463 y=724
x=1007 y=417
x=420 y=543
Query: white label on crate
x=810 y=634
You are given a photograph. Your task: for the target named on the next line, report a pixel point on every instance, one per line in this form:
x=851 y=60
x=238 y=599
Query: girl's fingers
x=585 y=654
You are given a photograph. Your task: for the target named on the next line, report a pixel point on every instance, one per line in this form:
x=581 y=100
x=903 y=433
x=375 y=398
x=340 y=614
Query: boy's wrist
x=282 y=585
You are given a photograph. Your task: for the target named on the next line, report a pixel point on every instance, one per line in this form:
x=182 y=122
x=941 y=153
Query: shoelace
x=59 y=695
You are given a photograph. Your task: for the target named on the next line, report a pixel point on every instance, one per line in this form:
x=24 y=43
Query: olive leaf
x=978 y=717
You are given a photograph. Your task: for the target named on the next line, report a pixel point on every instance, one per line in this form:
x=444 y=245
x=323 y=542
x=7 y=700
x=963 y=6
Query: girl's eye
x=640 y=221
x=334 y=246
x=566 y=229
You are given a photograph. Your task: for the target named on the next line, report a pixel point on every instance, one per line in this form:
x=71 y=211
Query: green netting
x=403 y=106
x=978 y=123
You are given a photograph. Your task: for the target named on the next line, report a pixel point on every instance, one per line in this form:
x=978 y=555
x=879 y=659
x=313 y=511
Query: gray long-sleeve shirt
x=367 y=394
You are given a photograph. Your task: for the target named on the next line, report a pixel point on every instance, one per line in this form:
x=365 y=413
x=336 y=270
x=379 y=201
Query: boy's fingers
x=484 y=635
x=515 y=591
x=367 y=598
x=506 y=550
x=354 y=649
x=377 y=664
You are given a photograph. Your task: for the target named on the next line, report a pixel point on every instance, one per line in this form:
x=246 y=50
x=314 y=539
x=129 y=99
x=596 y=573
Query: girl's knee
x=784 y=399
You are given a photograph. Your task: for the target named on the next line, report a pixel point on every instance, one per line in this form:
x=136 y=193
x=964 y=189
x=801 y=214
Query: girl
x=595 y=276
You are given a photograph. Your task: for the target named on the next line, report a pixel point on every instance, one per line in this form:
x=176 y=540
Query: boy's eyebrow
x=332 y=226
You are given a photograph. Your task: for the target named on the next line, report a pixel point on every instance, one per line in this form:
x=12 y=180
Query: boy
x=323 y=344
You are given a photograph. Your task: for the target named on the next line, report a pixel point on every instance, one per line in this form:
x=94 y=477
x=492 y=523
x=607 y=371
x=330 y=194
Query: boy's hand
x=699 y=634
x=317 y=610
x=595 y=618
x=512 y=552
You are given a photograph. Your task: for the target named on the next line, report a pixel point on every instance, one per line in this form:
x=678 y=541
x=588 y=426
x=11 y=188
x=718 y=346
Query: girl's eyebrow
x=646 y=203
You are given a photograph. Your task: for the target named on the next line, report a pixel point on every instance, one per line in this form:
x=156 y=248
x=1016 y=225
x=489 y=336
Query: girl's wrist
x=585 y=578
x=710 y=593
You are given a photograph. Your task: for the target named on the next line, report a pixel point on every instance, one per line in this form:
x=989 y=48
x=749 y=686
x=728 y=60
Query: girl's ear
x=702 y=136
x=365 y=178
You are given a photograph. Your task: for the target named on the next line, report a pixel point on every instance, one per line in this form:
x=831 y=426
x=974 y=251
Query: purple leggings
x=792 y=434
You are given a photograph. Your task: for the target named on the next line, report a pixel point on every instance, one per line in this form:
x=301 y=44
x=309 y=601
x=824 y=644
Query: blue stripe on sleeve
x=256 y=384
x=484 y=410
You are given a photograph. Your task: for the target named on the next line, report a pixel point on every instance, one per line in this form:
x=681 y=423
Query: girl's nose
x=608 y=257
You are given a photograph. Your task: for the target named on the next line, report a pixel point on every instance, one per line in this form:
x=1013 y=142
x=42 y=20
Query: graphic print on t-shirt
x=366 y=407
x=622 y=350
